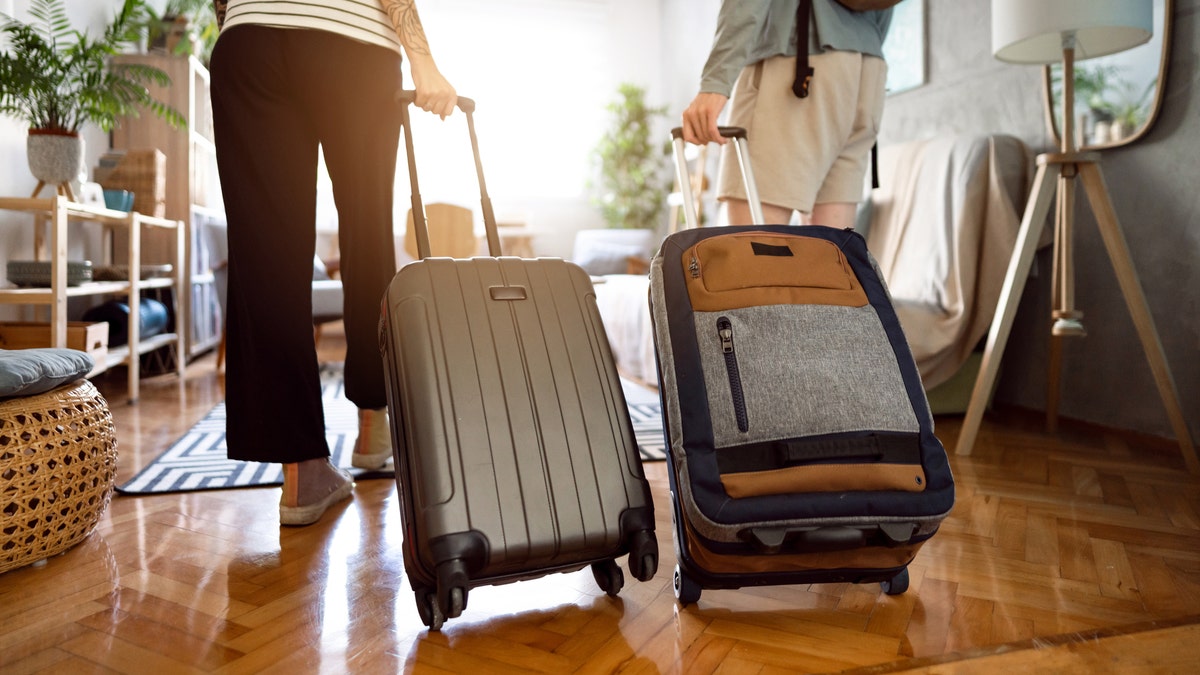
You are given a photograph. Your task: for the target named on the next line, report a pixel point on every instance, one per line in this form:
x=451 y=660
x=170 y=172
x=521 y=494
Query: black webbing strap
x=889 y=448
x=804 y=72
x=874 y=165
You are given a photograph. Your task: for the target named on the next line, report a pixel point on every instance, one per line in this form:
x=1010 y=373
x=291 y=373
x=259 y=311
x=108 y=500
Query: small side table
x=515 y=239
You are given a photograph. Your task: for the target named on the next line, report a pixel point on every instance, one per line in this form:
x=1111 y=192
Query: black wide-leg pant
x=277 y=95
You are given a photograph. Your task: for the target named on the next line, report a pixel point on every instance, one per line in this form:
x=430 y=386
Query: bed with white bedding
x=623 y=300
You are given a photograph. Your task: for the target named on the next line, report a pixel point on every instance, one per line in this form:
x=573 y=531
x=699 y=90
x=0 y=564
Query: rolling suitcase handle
x=407 y=97
x=737 y=135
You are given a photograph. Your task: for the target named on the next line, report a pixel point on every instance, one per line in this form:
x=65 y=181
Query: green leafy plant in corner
x=630 y=188
x=1091 y=84
x=1133 y=104
x=57 y=78
x=197 y=18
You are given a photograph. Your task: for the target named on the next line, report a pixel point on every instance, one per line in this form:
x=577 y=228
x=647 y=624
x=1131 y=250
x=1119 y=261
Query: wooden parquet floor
x=1073 y=552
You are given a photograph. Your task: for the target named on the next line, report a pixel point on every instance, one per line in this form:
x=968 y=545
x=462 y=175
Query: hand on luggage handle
x=740 y=140
x=407 y=97
x=727 y=132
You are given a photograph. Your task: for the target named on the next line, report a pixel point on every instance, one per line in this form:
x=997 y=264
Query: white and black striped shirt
x=362 y=20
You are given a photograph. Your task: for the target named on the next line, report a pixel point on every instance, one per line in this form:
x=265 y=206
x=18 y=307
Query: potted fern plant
x=57 y=79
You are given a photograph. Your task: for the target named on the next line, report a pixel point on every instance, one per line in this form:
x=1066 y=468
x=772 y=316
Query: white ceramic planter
x=54 y=159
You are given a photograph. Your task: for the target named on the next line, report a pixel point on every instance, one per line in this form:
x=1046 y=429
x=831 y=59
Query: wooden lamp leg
x=1067 y=321
x=1032 y=224
x=1135 y=299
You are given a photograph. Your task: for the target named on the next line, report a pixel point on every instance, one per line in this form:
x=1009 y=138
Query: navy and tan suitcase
x=514 y=450
x=800 y=442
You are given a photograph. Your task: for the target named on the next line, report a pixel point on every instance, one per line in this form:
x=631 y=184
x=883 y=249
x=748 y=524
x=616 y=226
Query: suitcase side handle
x=772 y=540
x=737 y=135
x=407 y=97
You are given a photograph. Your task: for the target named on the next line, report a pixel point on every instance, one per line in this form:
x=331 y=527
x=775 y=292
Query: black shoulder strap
x=875 y=165
x=804 y=72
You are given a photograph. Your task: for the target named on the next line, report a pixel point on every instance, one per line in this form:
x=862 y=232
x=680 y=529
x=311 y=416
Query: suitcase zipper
x=725 y=333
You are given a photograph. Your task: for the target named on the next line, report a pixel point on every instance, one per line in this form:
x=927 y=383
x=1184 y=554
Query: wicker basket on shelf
x=142 y=172
x=58 y=461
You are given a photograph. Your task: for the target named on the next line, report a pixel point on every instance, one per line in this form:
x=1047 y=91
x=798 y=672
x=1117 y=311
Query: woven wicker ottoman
x=58 y=461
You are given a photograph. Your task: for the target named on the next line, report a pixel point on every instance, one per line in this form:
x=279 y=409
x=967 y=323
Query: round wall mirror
x=1117 y=97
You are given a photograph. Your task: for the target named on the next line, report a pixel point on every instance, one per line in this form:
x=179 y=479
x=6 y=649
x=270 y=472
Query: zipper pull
x=738 y=396
x=694 y=268
x=725 y=331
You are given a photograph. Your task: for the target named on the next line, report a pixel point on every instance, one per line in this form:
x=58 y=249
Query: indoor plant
x=182 y=27
x=57 y=79
x=632 y=186
x=1132 y=107
x=629 y=188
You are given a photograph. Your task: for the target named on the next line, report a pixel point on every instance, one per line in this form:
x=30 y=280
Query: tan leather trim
x=723 y=272
x=825 y=478
x=867 y=557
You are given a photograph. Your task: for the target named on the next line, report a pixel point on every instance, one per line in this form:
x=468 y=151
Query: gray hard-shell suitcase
x=800 y=442
x=514 y=451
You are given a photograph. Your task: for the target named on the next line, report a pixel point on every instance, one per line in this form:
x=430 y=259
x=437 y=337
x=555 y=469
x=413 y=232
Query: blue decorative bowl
x=118 y=200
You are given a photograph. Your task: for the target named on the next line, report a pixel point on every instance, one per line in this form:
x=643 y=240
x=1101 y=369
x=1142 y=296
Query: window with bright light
x=539 y=71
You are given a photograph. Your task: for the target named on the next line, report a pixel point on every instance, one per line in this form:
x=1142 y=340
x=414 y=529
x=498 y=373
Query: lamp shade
x=1032 y=31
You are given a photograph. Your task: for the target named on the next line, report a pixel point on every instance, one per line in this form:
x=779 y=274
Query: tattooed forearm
x=403 y=14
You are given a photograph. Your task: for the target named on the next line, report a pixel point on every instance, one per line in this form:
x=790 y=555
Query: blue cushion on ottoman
x=27 y=372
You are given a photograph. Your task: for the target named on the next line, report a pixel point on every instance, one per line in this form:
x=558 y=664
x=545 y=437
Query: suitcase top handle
x=727 y=132
x=409 y=97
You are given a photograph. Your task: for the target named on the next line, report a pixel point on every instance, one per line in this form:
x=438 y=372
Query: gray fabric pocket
x=802 y=370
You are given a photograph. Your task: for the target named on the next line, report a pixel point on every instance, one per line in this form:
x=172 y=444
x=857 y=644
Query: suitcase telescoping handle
x=407 y=97
x=736 y=135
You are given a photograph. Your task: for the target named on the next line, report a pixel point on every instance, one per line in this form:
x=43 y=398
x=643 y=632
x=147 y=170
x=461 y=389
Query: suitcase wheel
x=897 y=584
x=643 y=556
x=452 y=587
x=687 y=591
x=608 y=576
x=429 y=611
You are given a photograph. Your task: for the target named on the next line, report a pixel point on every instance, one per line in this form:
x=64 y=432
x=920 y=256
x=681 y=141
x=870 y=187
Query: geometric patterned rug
x=197 y=461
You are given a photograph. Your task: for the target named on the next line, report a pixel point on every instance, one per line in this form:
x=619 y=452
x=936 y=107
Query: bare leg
x=738 y=211
x=838 y=215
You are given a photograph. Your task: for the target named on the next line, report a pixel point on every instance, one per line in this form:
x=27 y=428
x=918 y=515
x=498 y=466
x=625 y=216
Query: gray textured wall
x=1153 y=184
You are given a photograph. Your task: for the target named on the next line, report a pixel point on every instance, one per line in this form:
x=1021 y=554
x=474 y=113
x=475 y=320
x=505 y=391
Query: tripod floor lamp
x=1042 y=32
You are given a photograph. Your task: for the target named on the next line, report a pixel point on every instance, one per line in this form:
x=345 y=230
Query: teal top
x=749 y=31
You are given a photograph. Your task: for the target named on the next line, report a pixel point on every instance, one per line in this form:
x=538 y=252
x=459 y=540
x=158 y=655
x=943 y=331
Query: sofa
x=942 y=226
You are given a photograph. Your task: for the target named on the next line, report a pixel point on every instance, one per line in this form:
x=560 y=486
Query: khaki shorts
x=812 y=150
